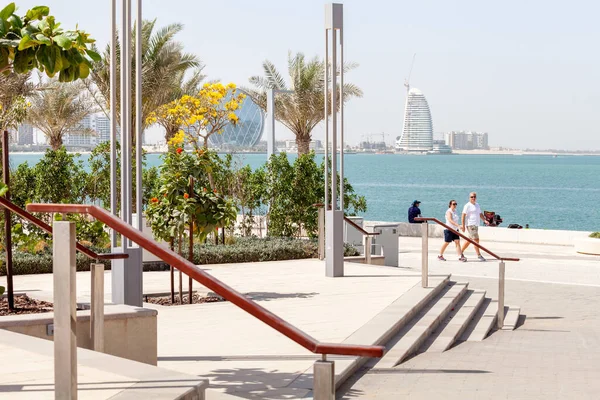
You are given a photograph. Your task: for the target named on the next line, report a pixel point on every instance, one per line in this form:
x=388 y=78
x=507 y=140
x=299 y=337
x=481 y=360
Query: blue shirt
x=414 y=212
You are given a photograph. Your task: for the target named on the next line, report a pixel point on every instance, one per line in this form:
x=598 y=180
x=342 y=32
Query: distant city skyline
x=525 y=72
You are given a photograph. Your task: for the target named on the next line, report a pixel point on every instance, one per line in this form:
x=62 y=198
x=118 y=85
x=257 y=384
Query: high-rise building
x=25 y=134
x=102 y=128
x=83 y=134
x=247 y=132
x=467 y=140
x=417 y=132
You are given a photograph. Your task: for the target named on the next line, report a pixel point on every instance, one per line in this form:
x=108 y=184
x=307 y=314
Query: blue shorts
x=450 y=236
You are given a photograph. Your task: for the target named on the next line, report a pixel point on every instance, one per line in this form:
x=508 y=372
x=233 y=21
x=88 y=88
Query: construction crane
x=407 y=80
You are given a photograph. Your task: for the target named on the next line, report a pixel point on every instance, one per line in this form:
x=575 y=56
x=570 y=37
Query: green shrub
x=245 y=249
x=595 y=235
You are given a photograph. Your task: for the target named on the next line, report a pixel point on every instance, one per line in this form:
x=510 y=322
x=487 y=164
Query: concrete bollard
x=65 y=311
x=324 y=380
x=97 y=307
x=321 y=225
x=501 y=273
x=425 y=254
x=367 y=249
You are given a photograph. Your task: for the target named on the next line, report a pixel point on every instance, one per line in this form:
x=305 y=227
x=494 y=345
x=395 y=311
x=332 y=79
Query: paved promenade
x=552 y=355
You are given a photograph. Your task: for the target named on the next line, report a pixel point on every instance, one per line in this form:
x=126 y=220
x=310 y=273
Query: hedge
x=243 y=250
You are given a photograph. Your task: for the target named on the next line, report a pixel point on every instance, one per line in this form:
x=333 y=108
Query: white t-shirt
x=454 y=216
x=473 y=214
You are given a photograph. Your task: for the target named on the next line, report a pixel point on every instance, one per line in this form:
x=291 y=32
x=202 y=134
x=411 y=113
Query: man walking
x=471 y=215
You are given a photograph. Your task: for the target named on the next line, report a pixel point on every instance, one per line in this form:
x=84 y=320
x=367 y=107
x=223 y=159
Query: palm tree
x=303 y=109
x=164 y=65
x=58 y=108
x=14 y=89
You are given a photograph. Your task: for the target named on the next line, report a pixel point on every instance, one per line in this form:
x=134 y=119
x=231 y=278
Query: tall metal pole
x=341 y=120
x=124 y=124
x=138 y=115
x=7 y=225
x=334 y=216
x=113 y=116
x=334 y=191
x=270 y=123
x=129 y=119
x=326 y=119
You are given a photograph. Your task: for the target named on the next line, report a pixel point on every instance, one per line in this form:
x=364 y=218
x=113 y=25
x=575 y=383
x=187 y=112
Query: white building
x=417 y=132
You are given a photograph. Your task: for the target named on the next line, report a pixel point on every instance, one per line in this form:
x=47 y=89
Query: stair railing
x=425 y=261
x=65 y=345
x=367 y=236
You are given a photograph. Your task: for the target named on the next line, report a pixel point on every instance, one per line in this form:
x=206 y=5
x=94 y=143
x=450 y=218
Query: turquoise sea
x=543 y=191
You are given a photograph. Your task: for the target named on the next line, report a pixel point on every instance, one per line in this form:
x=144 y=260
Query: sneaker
x=441 y=258
x=480 y=258
x=463 y=259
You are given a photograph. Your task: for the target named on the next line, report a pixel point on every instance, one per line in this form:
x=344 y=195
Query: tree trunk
x=303 y=145
x=56 y=142
x=170 y=132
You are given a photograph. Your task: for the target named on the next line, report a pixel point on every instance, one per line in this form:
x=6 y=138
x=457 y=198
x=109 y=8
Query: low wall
x=495 y=234
x=588 y=245
x=129 y=332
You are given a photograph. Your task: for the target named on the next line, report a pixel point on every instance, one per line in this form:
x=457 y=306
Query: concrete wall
x=495 y=234
x=129 y=332
x=588 y=246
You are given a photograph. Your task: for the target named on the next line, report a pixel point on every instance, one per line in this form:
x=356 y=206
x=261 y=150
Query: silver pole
x=113 y=116
x=341 y=121
x=138 y=114
x=124 y=130
x=326 y=119
x=129 y=133
x=334 y=203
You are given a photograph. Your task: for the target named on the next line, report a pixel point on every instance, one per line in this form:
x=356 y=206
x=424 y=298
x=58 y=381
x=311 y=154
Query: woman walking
x=450 y=235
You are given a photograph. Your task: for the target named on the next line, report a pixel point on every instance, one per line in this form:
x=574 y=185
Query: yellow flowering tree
x=209 y=112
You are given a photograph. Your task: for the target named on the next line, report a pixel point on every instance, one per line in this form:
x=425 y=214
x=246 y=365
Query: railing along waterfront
x=67 y=340
x=425 y=261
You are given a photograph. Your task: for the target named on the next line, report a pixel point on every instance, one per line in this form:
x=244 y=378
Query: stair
x=511 y=318
x=410 y=338
x=456 y=322
x=101 y=376
x=483 y=322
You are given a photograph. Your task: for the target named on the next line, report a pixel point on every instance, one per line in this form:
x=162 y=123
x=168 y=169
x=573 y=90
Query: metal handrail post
x=65 y=311
x=501 y=274
x=424 y=254
x=321 y=226
x=367 y=241
x=97 y=307
x=324 y=379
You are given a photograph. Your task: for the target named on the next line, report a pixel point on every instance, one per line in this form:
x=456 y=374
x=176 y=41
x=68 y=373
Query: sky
x=526 y=72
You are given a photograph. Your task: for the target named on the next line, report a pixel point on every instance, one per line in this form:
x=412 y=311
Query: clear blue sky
x=527 y=72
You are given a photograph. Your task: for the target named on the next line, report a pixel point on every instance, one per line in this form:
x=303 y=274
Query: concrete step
x=456 y=322
x=380 y=329
x=412 y=336
x=482 y=323
x=215 y=395
x=100 y=376
x=511 y=317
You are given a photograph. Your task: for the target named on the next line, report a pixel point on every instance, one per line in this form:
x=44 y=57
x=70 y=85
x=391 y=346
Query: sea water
x=545 y=192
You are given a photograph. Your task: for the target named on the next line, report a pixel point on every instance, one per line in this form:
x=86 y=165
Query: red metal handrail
x=437 y=221
x=41 y=224
x=211 y=282
x=348 y=220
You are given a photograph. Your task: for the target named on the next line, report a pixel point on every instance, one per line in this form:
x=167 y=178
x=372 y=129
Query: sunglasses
x=454 y=204
x=473 y=197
